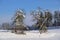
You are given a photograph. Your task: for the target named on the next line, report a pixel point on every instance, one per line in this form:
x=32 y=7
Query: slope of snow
x=31 y=35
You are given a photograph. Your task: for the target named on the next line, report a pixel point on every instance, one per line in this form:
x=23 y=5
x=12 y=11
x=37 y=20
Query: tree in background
x=57 y=18
x=5 y=26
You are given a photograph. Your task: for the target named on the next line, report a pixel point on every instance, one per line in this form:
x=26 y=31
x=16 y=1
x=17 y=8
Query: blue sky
x=8 y=7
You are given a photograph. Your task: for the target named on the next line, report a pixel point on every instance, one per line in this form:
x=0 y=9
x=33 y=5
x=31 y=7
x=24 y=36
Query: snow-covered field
x=53 y=34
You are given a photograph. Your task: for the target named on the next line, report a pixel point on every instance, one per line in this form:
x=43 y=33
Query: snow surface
x=31 y=35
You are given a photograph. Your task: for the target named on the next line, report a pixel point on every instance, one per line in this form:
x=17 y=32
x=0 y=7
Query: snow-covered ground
x=53 y=34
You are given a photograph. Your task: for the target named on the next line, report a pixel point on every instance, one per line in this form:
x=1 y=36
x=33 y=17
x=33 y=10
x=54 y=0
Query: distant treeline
x=54 y=18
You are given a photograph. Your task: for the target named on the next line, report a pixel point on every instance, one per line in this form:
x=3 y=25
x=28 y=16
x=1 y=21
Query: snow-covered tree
x=42 y=19
x=18 y=20
x=48 y=15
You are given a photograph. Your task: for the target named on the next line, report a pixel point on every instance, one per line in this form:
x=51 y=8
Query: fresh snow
x=31 y=35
